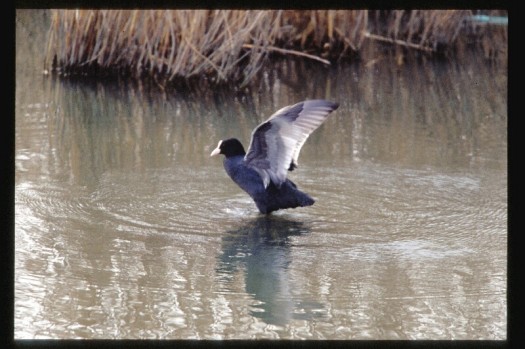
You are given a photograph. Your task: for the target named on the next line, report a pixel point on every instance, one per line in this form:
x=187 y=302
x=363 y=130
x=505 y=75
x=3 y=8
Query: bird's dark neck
x=235 y=154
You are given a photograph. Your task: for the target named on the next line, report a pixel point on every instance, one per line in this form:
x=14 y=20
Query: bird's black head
x=229 y=147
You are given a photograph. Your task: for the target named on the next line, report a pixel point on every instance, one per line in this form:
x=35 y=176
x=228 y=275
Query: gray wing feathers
x=276 y=143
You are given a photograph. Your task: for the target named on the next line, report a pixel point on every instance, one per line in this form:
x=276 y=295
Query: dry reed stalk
x=321 y=26
x=424 y=30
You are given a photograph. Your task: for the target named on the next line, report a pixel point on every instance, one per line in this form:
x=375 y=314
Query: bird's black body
x=273 y=151
x=269 y=199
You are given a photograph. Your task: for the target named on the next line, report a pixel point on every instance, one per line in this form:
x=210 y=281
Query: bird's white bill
x=217 y=150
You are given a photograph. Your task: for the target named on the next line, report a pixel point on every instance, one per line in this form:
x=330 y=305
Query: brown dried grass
x=231 y=45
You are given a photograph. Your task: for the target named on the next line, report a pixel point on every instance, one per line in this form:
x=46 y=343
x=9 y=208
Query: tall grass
x=232 y=45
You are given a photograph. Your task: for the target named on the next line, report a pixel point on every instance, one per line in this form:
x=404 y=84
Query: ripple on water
x=51 y=202
x=160 y=202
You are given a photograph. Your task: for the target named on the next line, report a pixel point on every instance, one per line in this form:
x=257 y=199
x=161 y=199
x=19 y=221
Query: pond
x=125 y=227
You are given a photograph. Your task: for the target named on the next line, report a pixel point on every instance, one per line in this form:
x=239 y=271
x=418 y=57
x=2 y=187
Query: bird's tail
x=287 y=196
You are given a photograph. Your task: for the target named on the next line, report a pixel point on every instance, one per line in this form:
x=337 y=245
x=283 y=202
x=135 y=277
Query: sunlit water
x=126 y=228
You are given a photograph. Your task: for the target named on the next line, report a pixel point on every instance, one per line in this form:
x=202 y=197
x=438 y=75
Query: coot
x=273 y=151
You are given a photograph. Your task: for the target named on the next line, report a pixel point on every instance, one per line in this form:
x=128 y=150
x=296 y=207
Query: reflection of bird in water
x=262 y=248
x=273 y=151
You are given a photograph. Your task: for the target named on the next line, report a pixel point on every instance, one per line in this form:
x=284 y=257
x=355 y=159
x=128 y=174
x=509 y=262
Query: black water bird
x=273 y=151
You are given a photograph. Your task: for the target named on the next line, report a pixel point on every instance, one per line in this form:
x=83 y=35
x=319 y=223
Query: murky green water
x=126 y=228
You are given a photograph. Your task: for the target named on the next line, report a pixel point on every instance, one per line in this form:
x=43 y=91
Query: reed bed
x=232 y=45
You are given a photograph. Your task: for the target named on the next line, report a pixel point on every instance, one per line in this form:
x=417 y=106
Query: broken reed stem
x=291 y=52
x=398 y=42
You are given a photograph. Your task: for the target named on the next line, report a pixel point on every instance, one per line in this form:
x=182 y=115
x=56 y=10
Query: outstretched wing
x=276 y=143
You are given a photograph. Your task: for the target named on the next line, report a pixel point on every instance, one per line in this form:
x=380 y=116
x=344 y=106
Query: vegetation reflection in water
x=383 y=121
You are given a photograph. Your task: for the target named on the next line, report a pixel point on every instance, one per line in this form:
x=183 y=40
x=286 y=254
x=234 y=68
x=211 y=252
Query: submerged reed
x=232 y=45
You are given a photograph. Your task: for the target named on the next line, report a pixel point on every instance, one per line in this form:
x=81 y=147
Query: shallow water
x=126 y=228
